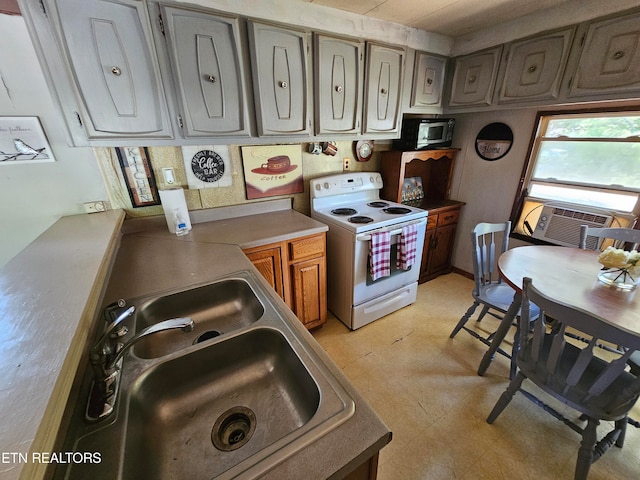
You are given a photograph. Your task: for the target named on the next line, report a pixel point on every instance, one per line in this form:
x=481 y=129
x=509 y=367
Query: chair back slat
x=624 y=238
x=483 y=237
x=577 y=371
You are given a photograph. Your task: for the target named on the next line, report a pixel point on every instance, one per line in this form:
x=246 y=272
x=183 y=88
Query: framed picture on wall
x=272 y=170
x=138 y=175
x=22 y=140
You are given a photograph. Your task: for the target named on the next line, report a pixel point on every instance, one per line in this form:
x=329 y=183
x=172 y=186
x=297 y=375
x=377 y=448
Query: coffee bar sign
x=272 y=170
x=207 y=166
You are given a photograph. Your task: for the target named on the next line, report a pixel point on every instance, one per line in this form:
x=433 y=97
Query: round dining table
x=568 y=275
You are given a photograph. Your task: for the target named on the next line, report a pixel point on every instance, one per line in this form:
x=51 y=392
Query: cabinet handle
x=212 y=78
x=339 y=88
x=383 y=91
x=116 y=71
x=472 y=79
x=429 y=81
x=532 y=68
x=283 y=84
x=618 y=55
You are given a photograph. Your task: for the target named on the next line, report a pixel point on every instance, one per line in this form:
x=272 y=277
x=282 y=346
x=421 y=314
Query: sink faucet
x=184 y=323
x=106 y=355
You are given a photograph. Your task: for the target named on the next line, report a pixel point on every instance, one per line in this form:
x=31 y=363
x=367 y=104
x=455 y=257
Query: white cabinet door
x=205 y=53
x=474 y=77
x=383 y=88
x=610 y=58
x=114 y=66
x=280 y=79
x=428 y=80
x=534 y=67
x=338 y=84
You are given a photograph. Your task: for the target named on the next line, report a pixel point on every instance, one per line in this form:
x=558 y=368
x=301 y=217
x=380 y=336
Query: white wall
x=32 y=197
x=488 y=188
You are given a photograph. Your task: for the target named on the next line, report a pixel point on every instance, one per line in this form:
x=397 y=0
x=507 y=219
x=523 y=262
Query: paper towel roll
x=172 y=200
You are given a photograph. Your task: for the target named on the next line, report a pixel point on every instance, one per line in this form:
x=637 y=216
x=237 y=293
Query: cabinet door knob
x=383 y=91
x=472 y=79
x=429 y=81
x=532 y=68
x=283 y=84
x=339 y=88
x=212 y=78
x=116 y=71
x=618 y=55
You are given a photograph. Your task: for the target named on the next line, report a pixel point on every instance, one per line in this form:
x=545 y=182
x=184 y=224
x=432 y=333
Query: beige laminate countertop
x=149 y=260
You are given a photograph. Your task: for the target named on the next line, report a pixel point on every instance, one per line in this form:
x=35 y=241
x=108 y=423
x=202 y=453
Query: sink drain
x=233 y=429
x=207 y=336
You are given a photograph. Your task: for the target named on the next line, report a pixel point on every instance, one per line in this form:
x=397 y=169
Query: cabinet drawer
x=306 y=247
x=447 y=218
x=432 y=221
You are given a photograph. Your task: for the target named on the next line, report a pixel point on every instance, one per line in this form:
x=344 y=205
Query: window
x=584 y=159
x=589 y=159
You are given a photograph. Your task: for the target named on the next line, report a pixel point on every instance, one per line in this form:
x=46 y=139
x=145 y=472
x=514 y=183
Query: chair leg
x=464 y=319
x=484 y=311
x=622 y=426
x=506 y=397
x=585 y=454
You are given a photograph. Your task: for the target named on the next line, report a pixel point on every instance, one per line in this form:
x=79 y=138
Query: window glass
x=594 y=127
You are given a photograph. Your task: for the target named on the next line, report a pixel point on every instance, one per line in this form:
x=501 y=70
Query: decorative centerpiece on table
x=620 y=269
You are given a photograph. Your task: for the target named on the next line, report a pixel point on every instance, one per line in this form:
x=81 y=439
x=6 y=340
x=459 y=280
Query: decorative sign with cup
x=272 y=170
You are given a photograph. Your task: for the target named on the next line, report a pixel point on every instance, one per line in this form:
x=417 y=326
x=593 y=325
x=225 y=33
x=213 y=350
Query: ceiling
x=452 y=18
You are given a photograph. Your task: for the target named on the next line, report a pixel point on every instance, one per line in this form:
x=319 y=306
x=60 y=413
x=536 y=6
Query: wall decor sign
x=272 y=170
x=22 y=140
x=207 y=166
x=494 y=141
x=138 y=175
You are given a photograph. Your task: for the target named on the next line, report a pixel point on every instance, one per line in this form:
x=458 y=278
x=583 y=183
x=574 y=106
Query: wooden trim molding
x=9 y=7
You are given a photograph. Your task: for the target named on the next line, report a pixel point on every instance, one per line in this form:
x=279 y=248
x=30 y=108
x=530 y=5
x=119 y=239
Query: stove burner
x=377 y=204
x=397 y=210
x=344 y=211
x=360 y=219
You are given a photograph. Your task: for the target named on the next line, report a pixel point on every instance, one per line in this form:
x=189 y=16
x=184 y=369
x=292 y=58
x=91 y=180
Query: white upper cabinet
x=338 y=84
x=206 y=52
x=280 y=79
x=533 y=67
x=609 y=62
x=474 y=77
x=383 y=88
x=428 y=81
x=113 y=64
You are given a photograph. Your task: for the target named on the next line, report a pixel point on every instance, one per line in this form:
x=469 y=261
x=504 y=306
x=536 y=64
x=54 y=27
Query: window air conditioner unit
x=560 y=224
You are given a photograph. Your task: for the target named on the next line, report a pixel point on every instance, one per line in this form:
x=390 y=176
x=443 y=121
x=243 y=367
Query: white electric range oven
x=350 y=205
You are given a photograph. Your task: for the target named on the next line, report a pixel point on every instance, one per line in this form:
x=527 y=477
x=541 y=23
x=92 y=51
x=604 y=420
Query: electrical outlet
x=346 y=164
x=94 y=207
x=169 y=176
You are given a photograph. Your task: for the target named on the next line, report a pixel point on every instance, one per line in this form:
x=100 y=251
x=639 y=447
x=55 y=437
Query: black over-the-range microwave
x=425 y=133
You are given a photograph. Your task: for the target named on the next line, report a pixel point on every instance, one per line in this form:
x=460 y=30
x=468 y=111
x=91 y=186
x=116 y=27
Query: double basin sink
x=233 y=398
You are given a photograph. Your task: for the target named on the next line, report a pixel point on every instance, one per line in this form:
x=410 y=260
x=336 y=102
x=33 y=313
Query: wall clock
x=364 y=150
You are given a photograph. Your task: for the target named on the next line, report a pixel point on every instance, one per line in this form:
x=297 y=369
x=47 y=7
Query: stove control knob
x=318 y=187
x=326 y=185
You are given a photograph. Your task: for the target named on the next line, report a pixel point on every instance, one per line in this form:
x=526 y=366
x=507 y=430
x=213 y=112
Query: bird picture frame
x=22 y=140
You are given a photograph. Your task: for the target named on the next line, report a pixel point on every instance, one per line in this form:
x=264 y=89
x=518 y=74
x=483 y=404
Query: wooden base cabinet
x=297 y=271
x=435 y=169
x=438 y=243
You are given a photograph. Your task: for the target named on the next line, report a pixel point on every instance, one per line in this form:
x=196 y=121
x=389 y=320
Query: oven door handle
x=397 y=231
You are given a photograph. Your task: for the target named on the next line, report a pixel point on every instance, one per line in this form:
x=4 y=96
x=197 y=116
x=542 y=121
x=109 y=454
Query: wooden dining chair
x=489 y=241
x=579 y=375
x=625 y=238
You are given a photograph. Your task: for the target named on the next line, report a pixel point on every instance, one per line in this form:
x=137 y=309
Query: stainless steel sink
x=226 y=403
x=217 y=308
x=232 y=406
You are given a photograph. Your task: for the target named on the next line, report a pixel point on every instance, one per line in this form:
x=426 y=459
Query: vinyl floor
x=424 y=386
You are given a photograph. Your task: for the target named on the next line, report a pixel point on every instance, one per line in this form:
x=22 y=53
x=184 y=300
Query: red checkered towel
x=407 y=246
x=380 y=255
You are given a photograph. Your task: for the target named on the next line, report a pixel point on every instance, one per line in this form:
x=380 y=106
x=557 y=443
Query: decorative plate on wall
x=494 y=141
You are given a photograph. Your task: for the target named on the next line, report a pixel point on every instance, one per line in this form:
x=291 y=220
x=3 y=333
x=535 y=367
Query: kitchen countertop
x=150 y=259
